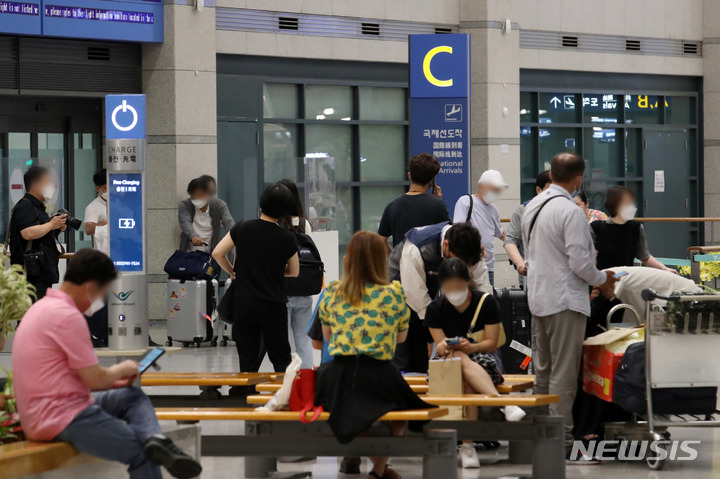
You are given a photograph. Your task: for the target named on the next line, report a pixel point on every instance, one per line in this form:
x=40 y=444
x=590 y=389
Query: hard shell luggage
x=191 y=305
x=221 y=329
x=517 y=322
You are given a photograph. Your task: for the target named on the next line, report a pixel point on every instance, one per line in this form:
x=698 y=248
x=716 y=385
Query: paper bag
x=445 y=378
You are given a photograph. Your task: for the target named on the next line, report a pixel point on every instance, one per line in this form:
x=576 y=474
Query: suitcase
x=517 y=322
x=221 y=329
x=190 y=304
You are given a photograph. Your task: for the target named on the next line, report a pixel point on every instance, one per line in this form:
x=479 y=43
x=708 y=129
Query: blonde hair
x=364 y=262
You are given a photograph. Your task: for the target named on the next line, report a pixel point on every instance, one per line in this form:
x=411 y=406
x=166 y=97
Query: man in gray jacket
x=201 y=216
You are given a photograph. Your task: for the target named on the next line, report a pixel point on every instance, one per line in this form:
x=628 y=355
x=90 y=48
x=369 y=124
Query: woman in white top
x=299 y=307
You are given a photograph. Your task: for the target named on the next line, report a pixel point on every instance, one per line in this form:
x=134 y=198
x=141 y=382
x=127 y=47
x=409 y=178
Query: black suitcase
x=629 y=390
x=517 y=322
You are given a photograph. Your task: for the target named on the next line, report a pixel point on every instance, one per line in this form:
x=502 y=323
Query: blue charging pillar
x=125 y=146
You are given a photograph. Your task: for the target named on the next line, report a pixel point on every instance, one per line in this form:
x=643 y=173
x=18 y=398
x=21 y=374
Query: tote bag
x=445 y=377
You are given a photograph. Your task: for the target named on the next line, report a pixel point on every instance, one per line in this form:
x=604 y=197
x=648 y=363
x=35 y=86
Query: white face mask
x=628 y=212
x=104 y=195
x=490 y=197
x=199 y=203
x=457 y=298
x=48 y=192
x=95 y=306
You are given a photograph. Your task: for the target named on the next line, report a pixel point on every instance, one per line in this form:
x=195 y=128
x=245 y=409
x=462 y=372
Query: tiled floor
x=707 y=465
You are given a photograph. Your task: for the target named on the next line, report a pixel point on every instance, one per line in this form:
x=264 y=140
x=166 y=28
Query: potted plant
x=16 y=295
x=10 y=428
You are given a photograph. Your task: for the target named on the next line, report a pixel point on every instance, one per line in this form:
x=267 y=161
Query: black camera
x=71 y=221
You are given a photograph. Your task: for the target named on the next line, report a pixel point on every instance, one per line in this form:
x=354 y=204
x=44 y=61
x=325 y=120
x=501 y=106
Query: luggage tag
x=524 y=350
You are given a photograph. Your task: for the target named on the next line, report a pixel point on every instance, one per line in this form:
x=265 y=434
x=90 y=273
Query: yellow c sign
x=426 y=66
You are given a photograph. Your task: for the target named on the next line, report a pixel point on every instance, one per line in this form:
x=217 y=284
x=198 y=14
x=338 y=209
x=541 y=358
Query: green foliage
x=16 y=295
x=10 y=428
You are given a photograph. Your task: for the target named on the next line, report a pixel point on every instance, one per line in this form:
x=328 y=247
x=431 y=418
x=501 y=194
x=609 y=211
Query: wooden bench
x=539 y=440
x=25 y=458
x=419 y=384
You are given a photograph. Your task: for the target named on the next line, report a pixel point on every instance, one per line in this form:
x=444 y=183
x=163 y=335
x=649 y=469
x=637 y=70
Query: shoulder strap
x=532 y=224
x=477 y=313
x=470 y=209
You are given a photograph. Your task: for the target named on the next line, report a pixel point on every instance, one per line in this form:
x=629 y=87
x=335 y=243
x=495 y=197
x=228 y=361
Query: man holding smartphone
x=56 y=372
x=422 y=205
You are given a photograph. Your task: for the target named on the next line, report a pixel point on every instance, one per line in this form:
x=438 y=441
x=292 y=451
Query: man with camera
x=33 y=234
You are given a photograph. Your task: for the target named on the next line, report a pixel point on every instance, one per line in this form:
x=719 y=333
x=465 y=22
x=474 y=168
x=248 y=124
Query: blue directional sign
x=126 y=220
x=440 y=108
x=125 y=117
x=21 y=18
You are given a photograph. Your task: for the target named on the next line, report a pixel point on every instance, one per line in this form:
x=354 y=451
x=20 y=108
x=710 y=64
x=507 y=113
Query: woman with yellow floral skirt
x=363 y=318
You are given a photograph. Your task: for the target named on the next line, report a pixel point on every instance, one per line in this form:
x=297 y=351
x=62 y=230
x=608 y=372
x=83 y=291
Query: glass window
x=280 y=100
x=527 y=191
x=602 y=152
x=238 y=97
x=387 y=104
x=528 y=107
x=323 y=102
x=633 y=152
x=528 y=152
x=382 y=153
x=559 y=108
x=680 y=110
x=595 y=191
x=556 y=140
x=335 y=141
x=85 y=148
x=642 y=109
x=343 y=215
x=601 y=108
x=19 y=145
x=373 y=200
x=280 y=151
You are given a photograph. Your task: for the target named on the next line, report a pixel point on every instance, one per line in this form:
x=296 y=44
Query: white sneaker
x=468 y=456
x=513 y=413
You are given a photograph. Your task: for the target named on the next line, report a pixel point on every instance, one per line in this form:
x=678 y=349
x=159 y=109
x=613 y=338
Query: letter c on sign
x=426 y=66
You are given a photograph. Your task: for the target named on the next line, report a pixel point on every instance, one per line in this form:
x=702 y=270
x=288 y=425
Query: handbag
x=226 y=306
x=302 y=396
x=445 y=378
x=479 y=336
x=192 y=265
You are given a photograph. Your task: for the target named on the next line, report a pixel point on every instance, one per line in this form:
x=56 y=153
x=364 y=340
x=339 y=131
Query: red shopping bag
x=302 y=395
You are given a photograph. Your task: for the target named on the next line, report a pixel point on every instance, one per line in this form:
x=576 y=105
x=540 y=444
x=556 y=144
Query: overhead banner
x=440 y=107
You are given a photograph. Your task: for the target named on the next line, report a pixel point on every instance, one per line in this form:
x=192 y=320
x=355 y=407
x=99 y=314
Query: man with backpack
x=415 y=262
x=480 y=211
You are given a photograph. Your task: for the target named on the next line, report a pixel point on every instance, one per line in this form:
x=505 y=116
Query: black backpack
x=312 y=270
x=629 y=390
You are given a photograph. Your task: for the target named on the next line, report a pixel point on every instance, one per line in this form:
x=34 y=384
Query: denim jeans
x=115 y=429
x=299 y=317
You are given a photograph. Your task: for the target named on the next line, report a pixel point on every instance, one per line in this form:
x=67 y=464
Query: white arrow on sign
x=555 y=101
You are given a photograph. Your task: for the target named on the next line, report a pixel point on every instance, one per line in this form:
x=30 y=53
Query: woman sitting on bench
x=363 y=318
x=458 y=314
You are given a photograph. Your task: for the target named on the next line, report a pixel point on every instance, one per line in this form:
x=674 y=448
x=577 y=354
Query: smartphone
x=432 y=188
x=620 y=274
x=452 y=341
x=149 y=359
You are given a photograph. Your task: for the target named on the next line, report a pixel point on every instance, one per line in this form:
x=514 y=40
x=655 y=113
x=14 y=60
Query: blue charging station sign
x=440 y=107
x=126 y=221
x=125 y=117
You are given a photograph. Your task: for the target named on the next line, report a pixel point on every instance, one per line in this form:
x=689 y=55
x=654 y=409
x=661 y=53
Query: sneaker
x=350 y=465
x=580 y=460
x=513 y=413
x=162 y=451
x=469 y=457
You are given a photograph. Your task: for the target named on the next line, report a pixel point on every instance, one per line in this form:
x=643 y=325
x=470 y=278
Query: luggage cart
x=692 y=341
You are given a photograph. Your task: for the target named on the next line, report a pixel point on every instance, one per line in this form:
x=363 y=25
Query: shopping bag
x=445 y=378
x=281 y=399
x=227 y=305
x=302 y=395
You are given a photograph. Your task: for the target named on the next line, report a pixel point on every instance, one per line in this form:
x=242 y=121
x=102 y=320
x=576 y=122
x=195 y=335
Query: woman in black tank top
x=621 y=238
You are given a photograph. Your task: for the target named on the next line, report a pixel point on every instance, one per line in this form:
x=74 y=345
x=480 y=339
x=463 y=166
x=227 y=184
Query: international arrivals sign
x=440 y=108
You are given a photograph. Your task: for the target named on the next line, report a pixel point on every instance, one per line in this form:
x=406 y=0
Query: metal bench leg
x=548 y=449
x=440 y=457
x=259 y=467
x=520 y=452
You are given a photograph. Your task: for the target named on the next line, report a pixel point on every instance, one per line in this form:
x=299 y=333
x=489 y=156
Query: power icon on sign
x=125 y=107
